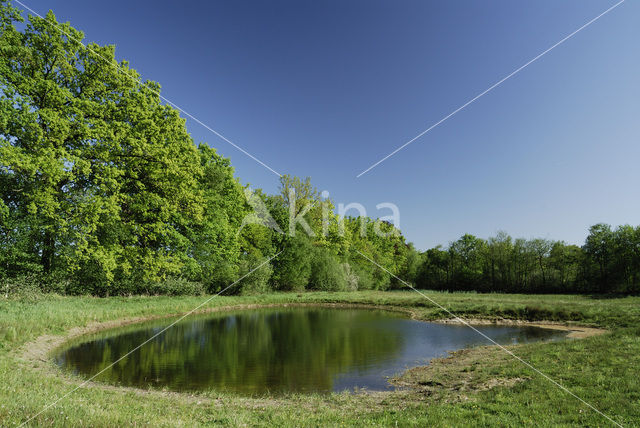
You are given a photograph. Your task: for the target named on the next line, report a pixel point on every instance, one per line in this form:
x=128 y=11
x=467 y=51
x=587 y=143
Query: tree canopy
x=609 y=262
x=103 y=191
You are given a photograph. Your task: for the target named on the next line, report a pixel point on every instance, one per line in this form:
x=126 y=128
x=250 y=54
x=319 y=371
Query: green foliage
x=609 y=262
x=173 y=287
x=99 y=178
x=374 y=240
x=327 y=274
x=351 y=279
x=257 y=281
x=364 y=271
x=103 y=191
x=613 y=258
x=214 y=244
x=293 y=265
x=23 y=286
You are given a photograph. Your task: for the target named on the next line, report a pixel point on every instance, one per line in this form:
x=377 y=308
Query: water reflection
x=277 y=350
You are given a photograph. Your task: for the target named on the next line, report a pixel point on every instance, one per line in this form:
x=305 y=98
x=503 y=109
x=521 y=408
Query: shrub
x=327 y=273
x=216 y=279
x=364 y=276
x=258 y=280
x=174 y=287
x=293 y=265
x=23 y=286
x=350 y=277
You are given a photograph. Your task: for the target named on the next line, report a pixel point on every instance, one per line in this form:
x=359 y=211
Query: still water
x=276 y=350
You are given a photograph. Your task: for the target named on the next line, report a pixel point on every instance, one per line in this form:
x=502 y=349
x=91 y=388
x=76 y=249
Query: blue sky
x=325 y=89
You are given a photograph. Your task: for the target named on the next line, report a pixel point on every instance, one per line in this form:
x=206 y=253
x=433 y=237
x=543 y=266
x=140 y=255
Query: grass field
x=481 y=386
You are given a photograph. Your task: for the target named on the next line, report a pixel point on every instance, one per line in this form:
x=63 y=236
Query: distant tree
x=499 y=249
x=626 y=258
x=434 y=271
x=467 y=262
x=541 y=249
x=599 y=248
x=565 y=261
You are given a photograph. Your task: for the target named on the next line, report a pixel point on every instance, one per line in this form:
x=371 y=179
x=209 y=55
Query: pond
x=277 y=350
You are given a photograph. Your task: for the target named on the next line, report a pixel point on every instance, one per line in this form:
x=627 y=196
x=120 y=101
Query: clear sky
x=326 y=88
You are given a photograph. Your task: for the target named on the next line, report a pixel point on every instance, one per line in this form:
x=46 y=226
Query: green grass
x=481 y=386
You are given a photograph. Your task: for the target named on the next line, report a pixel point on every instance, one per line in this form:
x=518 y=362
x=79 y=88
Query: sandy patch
x=575 y=331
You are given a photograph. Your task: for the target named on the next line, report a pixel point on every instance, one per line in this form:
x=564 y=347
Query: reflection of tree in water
x=250 y=352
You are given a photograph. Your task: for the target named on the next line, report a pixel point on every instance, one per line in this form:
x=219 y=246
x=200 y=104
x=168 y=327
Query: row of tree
x=103 y=191
x=608 y=262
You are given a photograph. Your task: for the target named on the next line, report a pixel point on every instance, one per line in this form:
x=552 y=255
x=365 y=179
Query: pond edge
x=39 y=352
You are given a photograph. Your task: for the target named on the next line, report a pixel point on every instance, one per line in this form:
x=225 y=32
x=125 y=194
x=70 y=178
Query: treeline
x=103 y=191
x=608 y=262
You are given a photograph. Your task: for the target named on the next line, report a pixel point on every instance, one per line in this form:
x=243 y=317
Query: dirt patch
x=454 y=377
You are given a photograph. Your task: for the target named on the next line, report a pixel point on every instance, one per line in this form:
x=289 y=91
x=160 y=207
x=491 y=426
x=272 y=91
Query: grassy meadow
x=480 y=386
